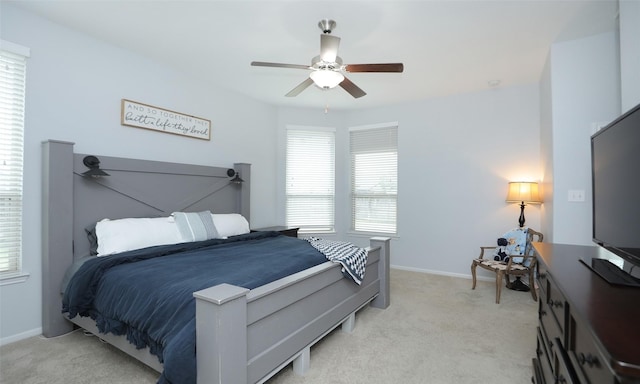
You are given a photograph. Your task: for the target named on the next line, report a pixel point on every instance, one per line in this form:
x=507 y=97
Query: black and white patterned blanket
x=352 y=258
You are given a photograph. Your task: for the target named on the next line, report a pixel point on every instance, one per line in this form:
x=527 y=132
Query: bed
x=242 y=335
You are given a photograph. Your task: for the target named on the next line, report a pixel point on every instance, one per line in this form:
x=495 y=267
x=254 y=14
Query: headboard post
x=57 y=231
x=383 y=300
x=244 y=208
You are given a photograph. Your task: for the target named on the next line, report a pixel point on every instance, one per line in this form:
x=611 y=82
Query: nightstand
x=287 y=231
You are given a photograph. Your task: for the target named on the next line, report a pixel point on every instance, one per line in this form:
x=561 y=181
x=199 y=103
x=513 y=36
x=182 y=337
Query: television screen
x=615 y=157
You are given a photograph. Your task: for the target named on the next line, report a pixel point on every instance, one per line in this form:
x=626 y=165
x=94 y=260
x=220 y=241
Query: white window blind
x=310 y=178
x=12 y=100
x=374 y=179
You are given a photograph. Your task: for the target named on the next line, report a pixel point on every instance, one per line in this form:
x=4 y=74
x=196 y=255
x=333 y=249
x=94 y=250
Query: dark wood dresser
x=589 y=330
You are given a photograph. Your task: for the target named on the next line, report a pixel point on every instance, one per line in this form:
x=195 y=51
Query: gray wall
x=546 y=152
x=457 y=153
x=74 y=87
x=585 y=94
x=456 y=156
x=586 y=84
x=630 y=53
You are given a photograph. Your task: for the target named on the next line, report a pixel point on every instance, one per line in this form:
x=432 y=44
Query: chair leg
x=532 y=286
x=498 y=285
x=473 y=274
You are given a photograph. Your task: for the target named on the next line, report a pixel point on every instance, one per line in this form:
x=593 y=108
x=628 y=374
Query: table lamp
x=523 y=192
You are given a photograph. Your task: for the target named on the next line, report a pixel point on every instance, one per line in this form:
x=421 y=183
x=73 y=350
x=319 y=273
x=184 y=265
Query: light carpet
x=437 y=330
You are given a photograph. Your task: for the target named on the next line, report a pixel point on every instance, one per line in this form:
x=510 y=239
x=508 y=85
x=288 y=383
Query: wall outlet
x=576 y=195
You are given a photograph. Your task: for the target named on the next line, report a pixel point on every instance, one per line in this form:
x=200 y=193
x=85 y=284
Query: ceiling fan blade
x=353 y=89
x=390 y=67
x=329 y=48
x=278 y=65
x=301 y=87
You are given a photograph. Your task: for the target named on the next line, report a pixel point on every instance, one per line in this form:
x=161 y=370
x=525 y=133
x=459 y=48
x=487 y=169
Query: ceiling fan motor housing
x=317 y=63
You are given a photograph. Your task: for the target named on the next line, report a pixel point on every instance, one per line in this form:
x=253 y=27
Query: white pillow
x=230 y=224
x=122 y=235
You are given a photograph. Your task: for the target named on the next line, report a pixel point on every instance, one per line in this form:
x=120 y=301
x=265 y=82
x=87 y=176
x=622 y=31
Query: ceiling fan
x=327 y=68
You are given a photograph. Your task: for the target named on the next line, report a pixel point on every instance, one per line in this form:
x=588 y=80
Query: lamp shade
x=523 y=191
x=326 y=78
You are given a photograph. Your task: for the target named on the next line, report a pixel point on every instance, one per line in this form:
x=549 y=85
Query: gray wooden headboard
x=134 y=188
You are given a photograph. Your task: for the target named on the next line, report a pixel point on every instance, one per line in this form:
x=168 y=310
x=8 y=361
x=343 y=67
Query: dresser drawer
x=556 y=305
x=543 y=276
x=550 y=328
x=542 y=371
x=587 y=358
x=537 y=376
x=564 y=370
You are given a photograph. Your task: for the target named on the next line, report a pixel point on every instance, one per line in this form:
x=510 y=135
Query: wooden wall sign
x=134 y=114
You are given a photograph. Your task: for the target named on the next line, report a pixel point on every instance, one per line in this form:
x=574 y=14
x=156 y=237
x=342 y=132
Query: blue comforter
x=147 y=294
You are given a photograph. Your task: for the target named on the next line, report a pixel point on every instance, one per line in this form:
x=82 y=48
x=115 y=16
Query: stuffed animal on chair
x=500 y=253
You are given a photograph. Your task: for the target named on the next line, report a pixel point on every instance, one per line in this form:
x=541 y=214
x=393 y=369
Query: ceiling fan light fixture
x=326 y=78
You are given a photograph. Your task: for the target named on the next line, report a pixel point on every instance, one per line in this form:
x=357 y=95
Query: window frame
x=13 y=127
x=353 y=195
x=328 y=223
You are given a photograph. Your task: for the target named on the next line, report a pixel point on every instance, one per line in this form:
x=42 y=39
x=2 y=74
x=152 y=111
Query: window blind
x=12 y=101
x=310 y=178
x=374 y=179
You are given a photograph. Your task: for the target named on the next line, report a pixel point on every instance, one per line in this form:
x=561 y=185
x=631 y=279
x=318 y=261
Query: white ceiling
x=447 y=47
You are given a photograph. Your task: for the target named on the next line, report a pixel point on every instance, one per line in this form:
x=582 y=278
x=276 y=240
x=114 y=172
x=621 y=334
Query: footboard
x=282 y=320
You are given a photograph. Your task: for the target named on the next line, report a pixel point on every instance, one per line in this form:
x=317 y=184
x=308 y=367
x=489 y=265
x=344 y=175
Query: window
x=374 y=178
x=310 y=178
x=12 y=100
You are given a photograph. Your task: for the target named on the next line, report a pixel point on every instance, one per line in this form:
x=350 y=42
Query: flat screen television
x=615 y=166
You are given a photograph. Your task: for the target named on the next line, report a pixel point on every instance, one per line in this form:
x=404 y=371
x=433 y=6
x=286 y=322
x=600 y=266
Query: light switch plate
x=576 y=195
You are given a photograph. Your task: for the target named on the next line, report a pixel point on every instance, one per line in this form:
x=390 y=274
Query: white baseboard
x=450 y=274
x=20 y=336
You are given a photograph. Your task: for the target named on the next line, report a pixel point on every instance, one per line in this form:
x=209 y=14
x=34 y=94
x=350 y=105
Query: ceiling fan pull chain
x=326 y=103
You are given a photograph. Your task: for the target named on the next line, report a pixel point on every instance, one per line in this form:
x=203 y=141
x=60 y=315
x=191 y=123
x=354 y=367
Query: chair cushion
x=500 y=265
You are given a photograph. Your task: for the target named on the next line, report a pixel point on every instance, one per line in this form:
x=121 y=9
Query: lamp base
x=521 y=219
x=518 y=285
